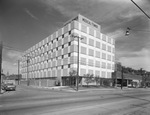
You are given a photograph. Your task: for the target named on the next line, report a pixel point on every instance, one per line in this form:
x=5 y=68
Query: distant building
x=55 y=56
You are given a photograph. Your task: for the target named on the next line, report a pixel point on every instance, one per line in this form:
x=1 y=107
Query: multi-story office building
x=56 y=55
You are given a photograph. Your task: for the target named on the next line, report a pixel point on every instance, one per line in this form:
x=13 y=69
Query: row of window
x=65 y=72
x=67 y=29
x=69 y=57
x=70 y=45
x=73 y=48
x=65 y=64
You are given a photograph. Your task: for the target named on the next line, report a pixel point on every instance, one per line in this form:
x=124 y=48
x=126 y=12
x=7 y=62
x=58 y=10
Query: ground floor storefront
x=130 y=80
x=67 y=81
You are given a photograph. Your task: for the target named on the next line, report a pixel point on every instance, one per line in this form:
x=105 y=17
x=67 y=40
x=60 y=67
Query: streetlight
x=128 y=29
x=77 y=78
x=28 y=61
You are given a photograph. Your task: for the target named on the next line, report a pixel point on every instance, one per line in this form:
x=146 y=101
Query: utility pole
x=78 y=67
x=27 y=71
x=18 y=71
x=1 y=48
x=122 y=77
x=77 y=78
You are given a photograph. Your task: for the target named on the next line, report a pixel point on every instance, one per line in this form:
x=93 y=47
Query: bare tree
x=73 y=73
x=73 y=76
x=88 y=78
x=97 y=80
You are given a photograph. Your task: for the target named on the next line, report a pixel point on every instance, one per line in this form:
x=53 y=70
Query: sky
x=23 y=23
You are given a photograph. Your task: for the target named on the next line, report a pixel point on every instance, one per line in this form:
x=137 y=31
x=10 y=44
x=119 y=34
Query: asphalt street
x=35 y=101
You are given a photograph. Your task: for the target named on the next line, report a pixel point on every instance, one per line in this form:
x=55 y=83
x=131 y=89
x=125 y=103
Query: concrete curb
x=68 y=89
x=62 y=88
x=2 y=92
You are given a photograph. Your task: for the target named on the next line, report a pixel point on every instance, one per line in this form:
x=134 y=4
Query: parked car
x=3 y=86
x=9 y=87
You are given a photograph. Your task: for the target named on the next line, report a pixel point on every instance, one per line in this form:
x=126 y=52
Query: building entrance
x=68 y=81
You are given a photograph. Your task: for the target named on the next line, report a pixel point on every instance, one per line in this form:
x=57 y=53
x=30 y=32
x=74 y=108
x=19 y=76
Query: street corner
x=2 y=92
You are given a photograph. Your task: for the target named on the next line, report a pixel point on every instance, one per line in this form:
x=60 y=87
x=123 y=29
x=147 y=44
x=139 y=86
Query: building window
x=103 y=37
x=69 y=32
x=103 y=65
x=103 y=55
x=57 y=39
x=52 y=41
x=84 y=40
x=97 y=44
x=113 y=67
x=109 y=40
x=108 y=66
x=97 y=63
x=97 y=54
x=83 y=61
x=103 y=46
x=91 y=31
x=109 y=48
x=113 y=50
x=63 y=36
x=103 y=74
x=69 y=54
x=109 y=57
x=90 y=62
x=83 y=50
x=90 y=71
x=68 y=65
x=98 y=34
x=62 y=56
x=84 y=28
x=69 y=43
x=91 y=52
x=62 y=46
x=62 y=67
x=91 y=42
x=113 y=58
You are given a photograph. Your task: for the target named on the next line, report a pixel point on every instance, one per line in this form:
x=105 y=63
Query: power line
x=140 y=30
x=11 y=48
x=141 y=9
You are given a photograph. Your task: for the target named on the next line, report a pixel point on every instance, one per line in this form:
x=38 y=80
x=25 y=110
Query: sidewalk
x=84 y=89
x=2 y=91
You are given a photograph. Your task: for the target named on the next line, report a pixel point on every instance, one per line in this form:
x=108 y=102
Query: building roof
x=129 y=76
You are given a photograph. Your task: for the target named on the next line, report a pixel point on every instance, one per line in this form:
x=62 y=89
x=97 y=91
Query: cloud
x=93 y=8
x=14 y=55
x=138 y=59
x=9 y=67
x=9 y=60
x=116 y=34
x=30 y=14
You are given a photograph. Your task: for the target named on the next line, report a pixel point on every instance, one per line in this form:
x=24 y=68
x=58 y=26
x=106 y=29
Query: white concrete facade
x=56 y=55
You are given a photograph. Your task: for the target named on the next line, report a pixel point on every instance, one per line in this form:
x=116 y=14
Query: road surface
x=33 y=101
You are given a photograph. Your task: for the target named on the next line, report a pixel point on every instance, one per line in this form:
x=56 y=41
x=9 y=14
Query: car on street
x=9 y=87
